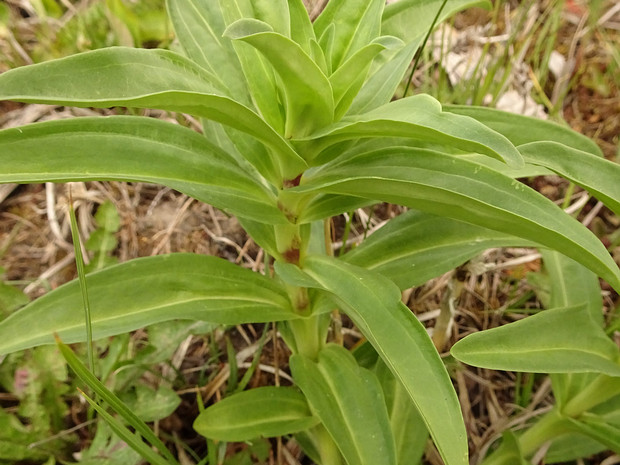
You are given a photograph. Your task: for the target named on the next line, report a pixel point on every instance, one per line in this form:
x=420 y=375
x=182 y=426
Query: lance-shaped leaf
x=140 y=78
x=356 y=23
x=560 y=340
x=347 y=80
x=598 y=429
x=410 y=434
x=420 y=117
x=450 y=186
x=408 y=19
x=349 y=401
x=259 y=74
x=598 y=176
x=573 y=446
x=145 y=291
x=199 y=26
x=380 y=87
x=509 y=452
x=571 y=284
x=416 y=247
x=521 y=129
x=309 y=100
x=302 y=31
x=326 y=205
x=129 y=148
x=262 y=412
x=373 y=303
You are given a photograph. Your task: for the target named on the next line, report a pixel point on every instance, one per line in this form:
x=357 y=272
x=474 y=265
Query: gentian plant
x=299 y=126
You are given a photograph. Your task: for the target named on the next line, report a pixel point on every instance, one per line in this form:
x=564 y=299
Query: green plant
x=299 y=127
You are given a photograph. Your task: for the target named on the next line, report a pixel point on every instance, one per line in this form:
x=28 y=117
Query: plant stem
x=548 y=427
x=307 y=334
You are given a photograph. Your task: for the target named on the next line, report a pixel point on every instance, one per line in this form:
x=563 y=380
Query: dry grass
x=35 y=235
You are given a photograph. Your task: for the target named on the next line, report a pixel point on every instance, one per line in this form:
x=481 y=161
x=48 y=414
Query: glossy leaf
x=521 y=129
x=309 y=100
x=560 y=340
x=373 y=303
x=598 y=176
x=145 y=291
x=420 y=117
x=262 y=412
x=454 y=187
x=415 y=247
x=350 y=404
x=199 y=26
x=356 y=23
x=134 y=149
x=142 y=79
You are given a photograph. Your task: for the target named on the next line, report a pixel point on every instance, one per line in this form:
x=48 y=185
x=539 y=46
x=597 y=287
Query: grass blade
x=79 y=263
x=115 y=403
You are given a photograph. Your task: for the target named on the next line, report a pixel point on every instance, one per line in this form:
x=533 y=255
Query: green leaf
x=451 y=186
x=131 y=439
x=145 y=291
x=410 y=433
x=380 y=87
x=199 y=26
x=410 y=19
x=140 y=78
x=521 y=129
x=350 y=404
x=573 y=284
x=357 y=22
x=309 y=101
x=259 y=74
x=420 y=117
x=134 y=149
x=301 y=27
x=598 y=176
x=263 y=234
x=509 y=452
x=415 y=247
x=348 y=79
x=119 y=407
x=262 y=412
x=560 y=340
x=573 y=446
x=598 y=429
x=151 y=404
x=275 y=13
x=373 y=303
